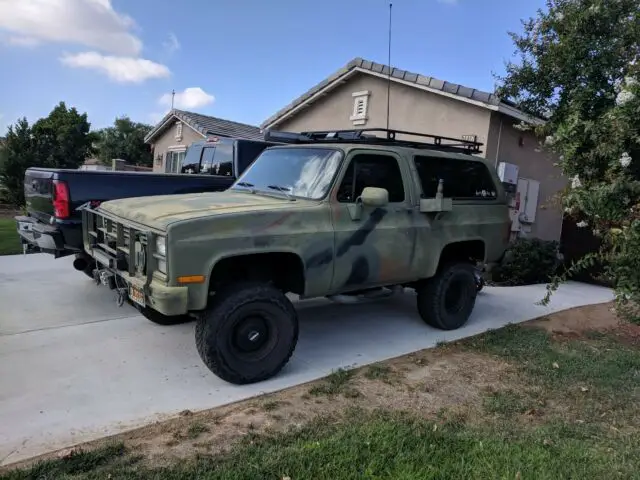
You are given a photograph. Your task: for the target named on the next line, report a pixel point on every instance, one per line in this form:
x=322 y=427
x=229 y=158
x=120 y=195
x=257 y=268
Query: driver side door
x=375 y=249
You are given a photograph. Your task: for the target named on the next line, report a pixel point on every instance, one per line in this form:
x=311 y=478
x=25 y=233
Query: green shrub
x=528 y=261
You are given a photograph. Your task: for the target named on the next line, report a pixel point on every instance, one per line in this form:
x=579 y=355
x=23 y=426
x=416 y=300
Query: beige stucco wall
x=533 y=163
x=411 y=109
x=168 y=139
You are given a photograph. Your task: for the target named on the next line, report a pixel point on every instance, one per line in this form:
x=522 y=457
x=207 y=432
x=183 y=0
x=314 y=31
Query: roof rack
x=366 y=136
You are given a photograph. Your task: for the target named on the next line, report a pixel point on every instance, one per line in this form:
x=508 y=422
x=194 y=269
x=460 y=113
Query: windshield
x=301 y=172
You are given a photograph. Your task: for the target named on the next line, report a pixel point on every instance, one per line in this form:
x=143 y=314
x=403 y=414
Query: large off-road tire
x=447 y=300
x=248 y=333
x=159 y=318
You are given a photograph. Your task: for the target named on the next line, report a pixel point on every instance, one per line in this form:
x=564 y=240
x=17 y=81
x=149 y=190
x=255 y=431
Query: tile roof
x=208 y=125
x=447 y=88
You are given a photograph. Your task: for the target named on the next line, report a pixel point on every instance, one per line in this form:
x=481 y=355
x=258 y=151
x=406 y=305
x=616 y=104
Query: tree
x=17 y=156
x=63 y=138
x=125 y=140
x=578 y=68
x=60 y=140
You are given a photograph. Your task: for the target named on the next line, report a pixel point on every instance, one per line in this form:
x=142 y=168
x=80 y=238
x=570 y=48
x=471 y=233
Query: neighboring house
x=179 y=129
x=356 y=97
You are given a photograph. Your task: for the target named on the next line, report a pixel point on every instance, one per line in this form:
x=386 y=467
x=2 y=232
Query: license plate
x=25 y=226
x=137 y=296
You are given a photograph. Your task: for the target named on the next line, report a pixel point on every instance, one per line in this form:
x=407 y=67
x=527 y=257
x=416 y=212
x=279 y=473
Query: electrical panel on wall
x=523 y=213
x=508 y=173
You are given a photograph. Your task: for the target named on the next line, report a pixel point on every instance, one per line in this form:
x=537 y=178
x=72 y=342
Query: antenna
x=389 y=65
x=173 y=97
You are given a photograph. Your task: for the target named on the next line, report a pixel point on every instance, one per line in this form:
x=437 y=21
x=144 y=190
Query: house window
x=179 y=131
x=173 y=161
x=360 y=107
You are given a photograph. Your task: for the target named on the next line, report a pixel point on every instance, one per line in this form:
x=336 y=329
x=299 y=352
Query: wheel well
x=469 y=250
x=284 y=269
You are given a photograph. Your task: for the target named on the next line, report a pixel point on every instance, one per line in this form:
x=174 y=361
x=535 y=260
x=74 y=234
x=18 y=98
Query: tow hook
x=121 y=296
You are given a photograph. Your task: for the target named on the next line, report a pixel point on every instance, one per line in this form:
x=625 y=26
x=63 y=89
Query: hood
x=161 y=210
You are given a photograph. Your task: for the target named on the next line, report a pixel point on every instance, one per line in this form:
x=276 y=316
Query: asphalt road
x=74 y=366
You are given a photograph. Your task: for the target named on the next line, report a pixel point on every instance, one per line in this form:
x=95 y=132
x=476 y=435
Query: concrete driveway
x=75 y=367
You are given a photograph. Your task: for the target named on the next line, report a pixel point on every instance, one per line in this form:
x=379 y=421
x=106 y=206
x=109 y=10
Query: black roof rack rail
x=367 y=136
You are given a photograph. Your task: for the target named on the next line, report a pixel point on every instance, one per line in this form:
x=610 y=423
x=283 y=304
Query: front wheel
x=248 y=334
x=447 y=300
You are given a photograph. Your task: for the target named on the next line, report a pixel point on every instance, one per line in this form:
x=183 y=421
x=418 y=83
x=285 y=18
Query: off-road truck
x=323 y=214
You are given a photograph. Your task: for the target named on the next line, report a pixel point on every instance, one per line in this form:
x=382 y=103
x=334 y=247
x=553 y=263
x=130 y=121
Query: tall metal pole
x=173 y=97
x=389 y=65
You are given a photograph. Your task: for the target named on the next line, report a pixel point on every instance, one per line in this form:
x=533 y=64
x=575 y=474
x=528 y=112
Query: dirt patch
x=575 y=322
x=628 y=334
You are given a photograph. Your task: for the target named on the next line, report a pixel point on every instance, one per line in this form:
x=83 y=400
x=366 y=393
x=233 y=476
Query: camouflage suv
x=321 y=214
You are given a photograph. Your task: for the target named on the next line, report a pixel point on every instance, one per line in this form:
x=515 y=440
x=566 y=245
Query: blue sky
x=236 y=59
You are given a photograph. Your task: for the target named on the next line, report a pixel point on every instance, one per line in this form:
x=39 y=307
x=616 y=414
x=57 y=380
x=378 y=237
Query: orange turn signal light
x=191 y=279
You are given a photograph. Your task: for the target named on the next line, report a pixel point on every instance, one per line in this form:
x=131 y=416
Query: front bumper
x=126 y=260
x=169 y=301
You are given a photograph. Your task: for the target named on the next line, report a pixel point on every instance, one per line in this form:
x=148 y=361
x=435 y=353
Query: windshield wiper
x=279 y=188
x=245 y=184
x=285 y=190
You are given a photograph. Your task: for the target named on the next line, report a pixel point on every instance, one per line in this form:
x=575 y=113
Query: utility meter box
x=508 y=173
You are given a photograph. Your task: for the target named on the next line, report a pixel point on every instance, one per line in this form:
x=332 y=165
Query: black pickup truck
x=53 y=223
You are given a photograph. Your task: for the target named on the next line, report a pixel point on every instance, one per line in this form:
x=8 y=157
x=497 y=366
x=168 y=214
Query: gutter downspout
x=499 y=138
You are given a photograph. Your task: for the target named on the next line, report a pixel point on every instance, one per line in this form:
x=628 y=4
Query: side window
x=463 y=179
x=191 y=163
x=366 y=170
x=218 y=160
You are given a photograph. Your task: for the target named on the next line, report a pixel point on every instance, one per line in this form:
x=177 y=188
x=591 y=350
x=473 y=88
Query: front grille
x=122 y=246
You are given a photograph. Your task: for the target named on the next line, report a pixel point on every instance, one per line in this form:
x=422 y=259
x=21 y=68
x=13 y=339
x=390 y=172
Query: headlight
x=161 y=246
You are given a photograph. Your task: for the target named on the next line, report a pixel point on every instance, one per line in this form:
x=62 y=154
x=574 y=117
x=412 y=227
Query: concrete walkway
x=75 y=367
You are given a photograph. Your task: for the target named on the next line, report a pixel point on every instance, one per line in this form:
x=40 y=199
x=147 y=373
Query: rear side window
x=463 y=179
x=218 y=160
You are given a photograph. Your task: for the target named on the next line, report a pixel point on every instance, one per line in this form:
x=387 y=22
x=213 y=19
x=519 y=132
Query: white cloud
x=20 y=41
x=92 y=23
x=172 y=44
x=119 y=69
x=189 y=98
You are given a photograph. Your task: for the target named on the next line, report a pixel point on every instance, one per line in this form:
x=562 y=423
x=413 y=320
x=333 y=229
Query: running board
x=374 y=294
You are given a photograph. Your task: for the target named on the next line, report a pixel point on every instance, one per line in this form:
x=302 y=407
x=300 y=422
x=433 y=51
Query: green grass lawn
x=9 y=239
x=581 y=398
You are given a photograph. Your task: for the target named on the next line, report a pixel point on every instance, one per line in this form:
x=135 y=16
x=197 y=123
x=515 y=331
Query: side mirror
x=371 y=197
x=375 y=197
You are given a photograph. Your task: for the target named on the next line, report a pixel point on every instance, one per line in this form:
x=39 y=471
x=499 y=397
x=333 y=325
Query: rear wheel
x=248 y=334
x=447 y=300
